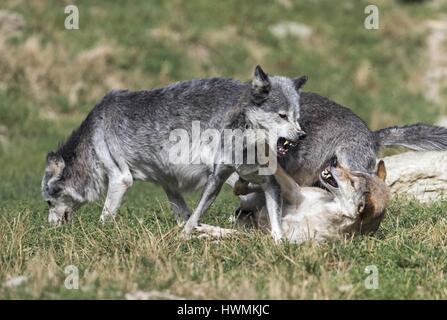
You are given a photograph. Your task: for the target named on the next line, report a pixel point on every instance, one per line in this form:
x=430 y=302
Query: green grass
x=51 y=77
x=142 y=251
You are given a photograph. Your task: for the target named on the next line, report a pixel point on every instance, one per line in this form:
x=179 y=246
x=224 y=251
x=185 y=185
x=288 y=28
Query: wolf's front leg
x=212 y=188
x=116 y=189
x=178 y=205
x=273 y=202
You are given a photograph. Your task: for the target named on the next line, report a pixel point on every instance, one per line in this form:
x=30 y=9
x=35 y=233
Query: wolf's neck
x=82 y=174
x=235 y=117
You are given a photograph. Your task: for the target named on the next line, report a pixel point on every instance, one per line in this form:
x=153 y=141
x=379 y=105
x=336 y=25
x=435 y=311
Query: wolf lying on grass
x=126 y=137
x=310 y=213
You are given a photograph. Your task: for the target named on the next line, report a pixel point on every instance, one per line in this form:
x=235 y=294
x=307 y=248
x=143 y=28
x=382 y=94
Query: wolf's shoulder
x=318 y=105
x=315 y=100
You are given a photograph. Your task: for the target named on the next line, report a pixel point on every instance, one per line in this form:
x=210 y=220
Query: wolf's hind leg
x=117 y=187
x=178 y=205
x=211 y=190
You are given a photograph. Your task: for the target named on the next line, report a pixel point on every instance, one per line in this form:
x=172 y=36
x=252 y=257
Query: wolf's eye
x=334 y=162
x=49 y=203
x=283 y=115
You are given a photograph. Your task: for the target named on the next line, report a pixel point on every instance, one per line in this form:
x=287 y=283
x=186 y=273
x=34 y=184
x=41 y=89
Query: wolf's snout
x=54 y=220
x=297 y=135
x=301 y=135
x=59 y=217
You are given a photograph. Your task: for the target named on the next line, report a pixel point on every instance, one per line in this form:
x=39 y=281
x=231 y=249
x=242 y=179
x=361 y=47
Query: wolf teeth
x=326 y=174
x=286 y=143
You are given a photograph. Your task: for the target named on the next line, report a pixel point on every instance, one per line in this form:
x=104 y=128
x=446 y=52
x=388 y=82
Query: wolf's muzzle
x=301 y=135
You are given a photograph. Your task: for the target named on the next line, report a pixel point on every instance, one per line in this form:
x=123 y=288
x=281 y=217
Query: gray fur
x=126 y=137
x=335 y=131
x=416 y=137
x=332 y=131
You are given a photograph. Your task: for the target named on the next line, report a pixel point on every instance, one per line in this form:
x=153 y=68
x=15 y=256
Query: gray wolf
x=335 y=133
x=353 y=203
x=126 y=137
x=262 y=112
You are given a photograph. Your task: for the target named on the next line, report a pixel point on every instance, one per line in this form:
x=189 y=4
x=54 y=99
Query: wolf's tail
x=416 y=137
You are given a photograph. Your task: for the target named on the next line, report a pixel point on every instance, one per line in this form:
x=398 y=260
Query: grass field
x=50 y=77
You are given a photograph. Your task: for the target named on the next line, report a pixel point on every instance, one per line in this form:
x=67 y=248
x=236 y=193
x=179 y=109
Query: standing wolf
x=126 y=137
x=334 y=131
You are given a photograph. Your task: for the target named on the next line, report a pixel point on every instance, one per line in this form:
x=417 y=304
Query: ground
x=50 y=78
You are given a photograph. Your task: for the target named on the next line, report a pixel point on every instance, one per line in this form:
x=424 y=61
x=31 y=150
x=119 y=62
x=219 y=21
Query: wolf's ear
x=381 y=170
x=299 y=82
x=55 y=165
x=260 y=85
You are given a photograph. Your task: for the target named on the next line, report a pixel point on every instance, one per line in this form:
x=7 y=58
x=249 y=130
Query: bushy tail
x=416 y=137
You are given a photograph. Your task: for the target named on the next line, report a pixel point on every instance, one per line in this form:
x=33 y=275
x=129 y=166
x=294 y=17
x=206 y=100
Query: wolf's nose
x=301 y=135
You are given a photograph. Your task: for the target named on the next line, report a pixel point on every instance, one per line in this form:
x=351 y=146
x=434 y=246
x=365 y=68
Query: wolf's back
x=416 y=137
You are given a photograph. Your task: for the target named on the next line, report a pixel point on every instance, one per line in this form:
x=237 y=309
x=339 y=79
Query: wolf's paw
x=277 y=237
x=104 y=218
x=207 y=231
x=186 y=233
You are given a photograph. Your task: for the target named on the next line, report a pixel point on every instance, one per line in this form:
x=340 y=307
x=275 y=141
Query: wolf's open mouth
x=327 y=177
x=283 y=146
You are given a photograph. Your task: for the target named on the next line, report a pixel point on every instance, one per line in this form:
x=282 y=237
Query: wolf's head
x=54 y=191
x=364 y=196
x=274 y=107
